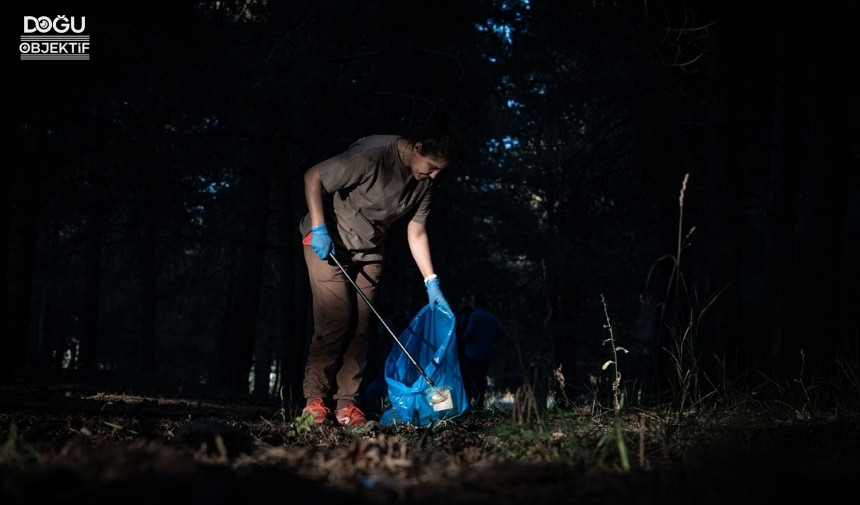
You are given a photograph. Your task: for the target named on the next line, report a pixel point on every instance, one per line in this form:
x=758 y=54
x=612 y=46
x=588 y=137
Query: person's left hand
x=434 y=293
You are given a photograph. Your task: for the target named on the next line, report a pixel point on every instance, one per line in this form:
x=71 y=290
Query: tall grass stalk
x=617 y=395
x=685 y=319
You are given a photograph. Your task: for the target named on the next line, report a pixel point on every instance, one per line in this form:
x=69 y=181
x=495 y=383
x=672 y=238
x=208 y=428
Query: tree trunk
x=781 y=213
x=22 y=244
x=719 y=340
x=238 y=333
x=89 y=336
x=827 y=179
x=149 y=296
x=292 y=301
x=262 y=363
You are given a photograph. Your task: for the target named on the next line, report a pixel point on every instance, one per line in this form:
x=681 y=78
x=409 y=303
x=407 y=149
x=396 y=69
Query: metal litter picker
x=438 y=395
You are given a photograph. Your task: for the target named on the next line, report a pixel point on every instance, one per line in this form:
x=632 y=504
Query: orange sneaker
x=319 y=411
x=350 y=416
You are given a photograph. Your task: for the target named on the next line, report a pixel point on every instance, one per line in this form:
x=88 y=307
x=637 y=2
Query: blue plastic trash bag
x=432 y=342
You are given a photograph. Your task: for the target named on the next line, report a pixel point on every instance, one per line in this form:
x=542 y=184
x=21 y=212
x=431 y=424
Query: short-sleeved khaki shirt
x=370 y=189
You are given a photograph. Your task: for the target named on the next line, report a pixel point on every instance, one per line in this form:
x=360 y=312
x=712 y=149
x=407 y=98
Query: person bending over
x=376 y=181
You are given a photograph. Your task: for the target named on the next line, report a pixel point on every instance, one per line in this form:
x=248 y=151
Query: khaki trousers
x=338 y=347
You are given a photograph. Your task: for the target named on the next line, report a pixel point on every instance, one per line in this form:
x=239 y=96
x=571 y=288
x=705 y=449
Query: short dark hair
x=437 y=138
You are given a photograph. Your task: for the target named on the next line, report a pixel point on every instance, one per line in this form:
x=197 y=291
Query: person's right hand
x=321 y=242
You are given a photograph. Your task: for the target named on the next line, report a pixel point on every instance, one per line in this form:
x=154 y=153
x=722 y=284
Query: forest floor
x=97 y=437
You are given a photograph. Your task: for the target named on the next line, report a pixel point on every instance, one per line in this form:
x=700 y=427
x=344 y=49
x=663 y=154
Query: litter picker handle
x=381 y=320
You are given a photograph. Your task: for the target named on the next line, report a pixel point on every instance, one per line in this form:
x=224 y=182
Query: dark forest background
x=679 y=176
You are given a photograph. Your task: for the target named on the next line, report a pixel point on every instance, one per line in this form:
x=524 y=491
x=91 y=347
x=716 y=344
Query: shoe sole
x=352 y=425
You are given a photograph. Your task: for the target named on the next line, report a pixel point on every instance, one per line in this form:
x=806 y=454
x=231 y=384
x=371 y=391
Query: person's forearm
x=419 y=245
x=314 y=196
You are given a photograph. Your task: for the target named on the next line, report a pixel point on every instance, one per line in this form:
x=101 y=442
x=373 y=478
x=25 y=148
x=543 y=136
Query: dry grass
x=83 y=440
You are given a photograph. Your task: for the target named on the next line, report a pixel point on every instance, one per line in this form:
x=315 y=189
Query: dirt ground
x=99 y=437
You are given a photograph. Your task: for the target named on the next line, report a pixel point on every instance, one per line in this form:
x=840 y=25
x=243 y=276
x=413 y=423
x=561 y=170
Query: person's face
x=426 y=167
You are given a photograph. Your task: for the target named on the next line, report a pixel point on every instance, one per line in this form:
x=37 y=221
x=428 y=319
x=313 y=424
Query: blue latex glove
x=321 y=242
x=435 y=295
